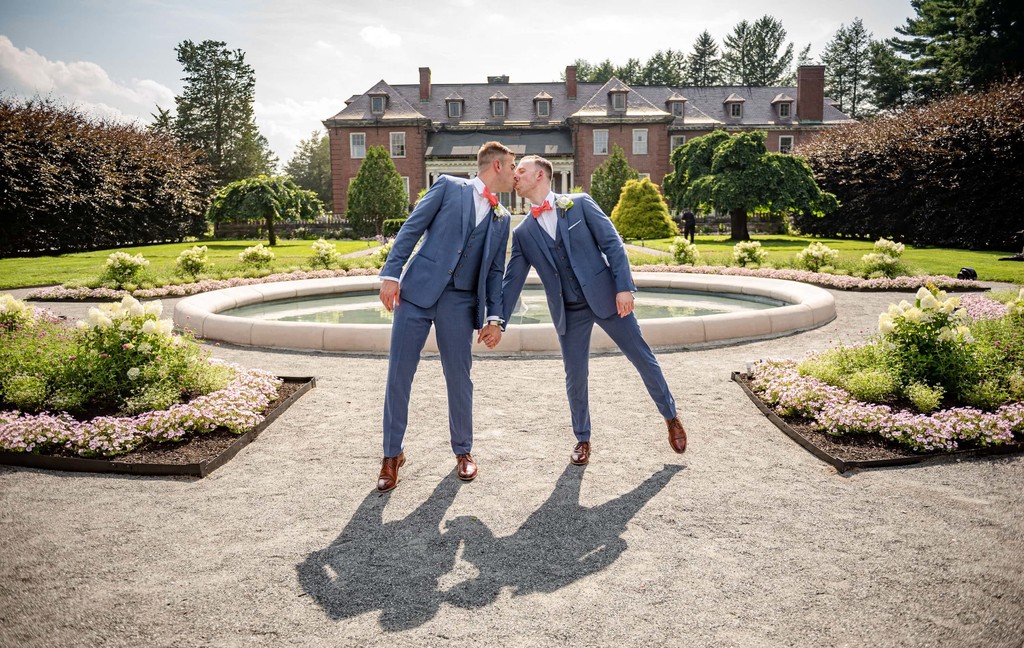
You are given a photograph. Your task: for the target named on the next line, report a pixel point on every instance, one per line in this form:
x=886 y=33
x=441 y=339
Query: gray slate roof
x=704 y=107
x=548 y=143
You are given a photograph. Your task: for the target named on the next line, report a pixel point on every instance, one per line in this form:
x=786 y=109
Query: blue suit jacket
x=595 y=252
x=443 y=218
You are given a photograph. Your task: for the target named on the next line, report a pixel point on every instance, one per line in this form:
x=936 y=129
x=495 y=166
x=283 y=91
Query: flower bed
x=825 y=280
x=941 y=375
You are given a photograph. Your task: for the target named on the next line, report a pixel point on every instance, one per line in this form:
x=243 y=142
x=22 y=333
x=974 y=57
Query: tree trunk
x=738 y=224
x=271 y=235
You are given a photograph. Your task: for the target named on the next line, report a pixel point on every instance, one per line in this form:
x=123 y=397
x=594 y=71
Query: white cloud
x=380 y=37
x=83 y=83
x=286 y=122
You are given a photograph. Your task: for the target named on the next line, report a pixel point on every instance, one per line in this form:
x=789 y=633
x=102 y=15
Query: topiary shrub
x=641 y=212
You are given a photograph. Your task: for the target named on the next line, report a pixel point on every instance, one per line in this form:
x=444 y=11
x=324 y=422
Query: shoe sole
x=467 y=479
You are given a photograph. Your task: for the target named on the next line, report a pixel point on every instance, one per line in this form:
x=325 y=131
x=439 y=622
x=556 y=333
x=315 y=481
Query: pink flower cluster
x=982 y=307
x=825 y=280
x=60 y=293
x=836 y=412
x=238 y=407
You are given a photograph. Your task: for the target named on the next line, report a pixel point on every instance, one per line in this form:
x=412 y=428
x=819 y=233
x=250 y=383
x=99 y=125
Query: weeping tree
x=736 y=174
x=264 y=198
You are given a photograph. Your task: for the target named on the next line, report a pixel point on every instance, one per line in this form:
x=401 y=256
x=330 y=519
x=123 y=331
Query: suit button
x=451 y=272
x=458 y=251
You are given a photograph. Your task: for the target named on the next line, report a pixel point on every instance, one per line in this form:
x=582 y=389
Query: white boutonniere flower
x=500 y=212
x=563 y=203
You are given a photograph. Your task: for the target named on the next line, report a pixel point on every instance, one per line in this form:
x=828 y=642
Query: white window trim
x=383 y=104
x=494 y=108
x=606 y=146
x=734 y=108
x=618 y=97
x=405 y=184
x=645 y=142
x=645 y=175
x=677 y=108
x=787 y=106
x=544 y=108
x=391 y=139
x=458 y=108
x=352 y=146
x=791 y=142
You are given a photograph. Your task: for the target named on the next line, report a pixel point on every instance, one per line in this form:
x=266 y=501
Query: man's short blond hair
x=541 y=163
x=490 y=152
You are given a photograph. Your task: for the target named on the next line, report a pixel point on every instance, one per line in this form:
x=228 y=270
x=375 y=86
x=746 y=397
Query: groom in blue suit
x=582 y=263
x=453 y=282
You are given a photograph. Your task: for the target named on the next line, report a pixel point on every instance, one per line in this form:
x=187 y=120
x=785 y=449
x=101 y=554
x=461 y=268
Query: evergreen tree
x=264 y=198
x=703 y=66
x=847 y=59
x=310 y=166
x=959 y=45
x=666 y=67
x=888 y=81
x=610 y=177
x=214 y=110
x=376 y=194
x=163 y=122
x=641 y=212
x=631 y=73
x=752 y=53
x=736 y=174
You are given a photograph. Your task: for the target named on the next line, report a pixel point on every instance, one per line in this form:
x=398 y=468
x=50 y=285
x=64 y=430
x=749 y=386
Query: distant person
x=689 y=224
x=582 y=263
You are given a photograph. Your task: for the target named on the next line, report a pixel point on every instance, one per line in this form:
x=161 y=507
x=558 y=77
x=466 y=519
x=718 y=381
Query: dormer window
x=455 y=105
x=734 y=106
x=378 y=102
x=542 y=104
x=499 y=105
x=676 y=104
x=618 y=101
x=784 y=105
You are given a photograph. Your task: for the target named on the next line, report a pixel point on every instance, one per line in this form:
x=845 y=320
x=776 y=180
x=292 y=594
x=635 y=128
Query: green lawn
x=717 y=250
x=86 y=266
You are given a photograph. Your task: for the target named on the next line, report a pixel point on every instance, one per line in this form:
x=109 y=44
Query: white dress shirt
x=548 y=219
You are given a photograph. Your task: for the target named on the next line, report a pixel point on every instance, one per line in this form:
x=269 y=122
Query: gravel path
x=745 y=540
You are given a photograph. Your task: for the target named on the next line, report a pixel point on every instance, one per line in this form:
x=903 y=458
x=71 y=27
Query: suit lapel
x=562 y=222
x=468 y=210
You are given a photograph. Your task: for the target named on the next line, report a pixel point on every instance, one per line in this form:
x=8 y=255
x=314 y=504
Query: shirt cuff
x=382 y=278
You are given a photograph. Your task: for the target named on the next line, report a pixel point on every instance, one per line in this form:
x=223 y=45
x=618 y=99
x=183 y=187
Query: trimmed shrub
x=641 y=212
x=749 y=253
x=390 y=226
x=684 y=252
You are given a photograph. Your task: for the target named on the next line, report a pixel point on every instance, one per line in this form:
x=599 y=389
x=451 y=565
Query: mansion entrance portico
x=454 y=153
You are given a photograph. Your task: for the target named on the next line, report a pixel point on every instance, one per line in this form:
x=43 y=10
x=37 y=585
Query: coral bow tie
x=540 y=209
x=491 y=198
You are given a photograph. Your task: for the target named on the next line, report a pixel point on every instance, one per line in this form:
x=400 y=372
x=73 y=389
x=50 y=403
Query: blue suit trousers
x=625 y=332
x=452 y=317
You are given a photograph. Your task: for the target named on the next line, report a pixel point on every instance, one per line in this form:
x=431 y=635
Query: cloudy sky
x=116 y=57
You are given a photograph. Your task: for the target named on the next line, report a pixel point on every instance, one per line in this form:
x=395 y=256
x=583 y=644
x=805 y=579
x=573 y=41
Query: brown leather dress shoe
x=388 y=478
x=676 y=435
x=580 y=454
x=466 y=467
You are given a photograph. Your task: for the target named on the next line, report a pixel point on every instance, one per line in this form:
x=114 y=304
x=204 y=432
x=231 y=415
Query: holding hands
x=490 y=335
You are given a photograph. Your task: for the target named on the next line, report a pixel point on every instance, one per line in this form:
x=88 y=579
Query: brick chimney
x=425 y=84
x=810 y=93
x=570 y=81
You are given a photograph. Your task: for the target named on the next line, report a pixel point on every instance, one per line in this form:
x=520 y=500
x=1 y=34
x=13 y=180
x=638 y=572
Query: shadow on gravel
x=396 y=567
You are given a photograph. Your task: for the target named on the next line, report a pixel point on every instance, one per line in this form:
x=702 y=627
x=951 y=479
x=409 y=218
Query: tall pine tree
x=703 y=65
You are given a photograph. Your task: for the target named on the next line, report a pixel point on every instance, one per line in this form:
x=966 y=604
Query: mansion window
x=357 y=145
x=677 y=108
x=619 y=101
x=639 y=141
x=785 y=143
x=377 y=105
x=543 y=108
x=405 y=183
x=735 y=110
x=675 y=142
x=455 y=109
x=398 y=145
x=600 y=142
x=784 y=109
x=498 y=108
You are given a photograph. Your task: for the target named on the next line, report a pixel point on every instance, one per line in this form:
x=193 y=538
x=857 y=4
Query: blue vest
x=467 y=270
x=571 y=291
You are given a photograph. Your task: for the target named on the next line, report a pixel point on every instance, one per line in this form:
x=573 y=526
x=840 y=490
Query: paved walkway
x=746 y=540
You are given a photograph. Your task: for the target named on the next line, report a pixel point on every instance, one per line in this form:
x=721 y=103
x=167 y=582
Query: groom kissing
x=582 y=263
